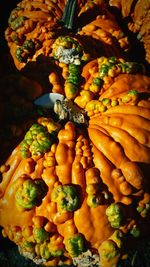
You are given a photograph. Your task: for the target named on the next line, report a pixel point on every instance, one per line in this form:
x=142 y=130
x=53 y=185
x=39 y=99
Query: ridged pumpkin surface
x=94 y=179
x=76 y=188
x=34 y=26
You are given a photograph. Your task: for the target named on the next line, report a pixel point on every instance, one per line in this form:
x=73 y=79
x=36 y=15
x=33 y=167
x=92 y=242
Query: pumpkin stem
x=68 y=17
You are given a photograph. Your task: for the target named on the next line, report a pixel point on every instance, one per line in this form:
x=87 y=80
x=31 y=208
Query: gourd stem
x=68 y=17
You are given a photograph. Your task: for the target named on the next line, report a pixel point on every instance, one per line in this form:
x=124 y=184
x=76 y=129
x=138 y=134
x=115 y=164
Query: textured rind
x=104 y=155
x=101 y=160
x=41 y=26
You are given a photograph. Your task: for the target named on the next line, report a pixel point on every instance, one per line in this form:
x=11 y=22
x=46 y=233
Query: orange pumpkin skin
x=72 y=158
x=99 y=165
x=119 y=136
x=36 y=24
x=103 y=162
x=108 y=84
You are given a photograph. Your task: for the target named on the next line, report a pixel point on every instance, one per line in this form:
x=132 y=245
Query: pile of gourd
x=76 y=189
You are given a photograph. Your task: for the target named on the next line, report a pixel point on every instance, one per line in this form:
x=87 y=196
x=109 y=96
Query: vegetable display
x=75 y=190
x=35 y=25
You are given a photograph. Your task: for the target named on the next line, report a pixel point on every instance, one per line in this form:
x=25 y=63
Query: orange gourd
x=33 y=26
x=76 y=191
x=90 y=174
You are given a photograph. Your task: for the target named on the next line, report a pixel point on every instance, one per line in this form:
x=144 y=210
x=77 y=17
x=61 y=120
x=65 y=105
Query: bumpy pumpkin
x=110 y=78
x=76 y=189
x=79 y=194
x=138 y=14
x=34 y=26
